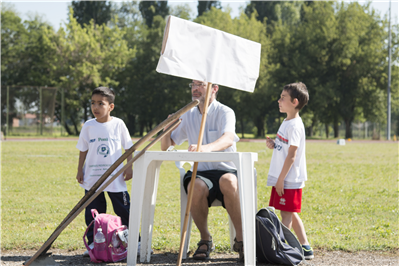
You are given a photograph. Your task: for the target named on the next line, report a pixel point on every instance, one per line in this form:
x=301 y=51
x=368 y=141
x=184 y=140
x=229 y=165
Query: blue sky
x=56 y=11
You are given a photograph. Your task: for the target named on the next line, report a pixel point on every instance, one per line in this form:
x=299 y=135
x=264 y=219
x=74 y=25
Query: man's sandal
x=239 y=247
x=207 y=251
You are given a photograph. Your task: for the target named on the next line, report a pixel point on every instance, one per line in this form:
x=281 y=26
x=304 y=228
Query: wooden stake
x=191 y=188
x=92 y=191
x=94 y=196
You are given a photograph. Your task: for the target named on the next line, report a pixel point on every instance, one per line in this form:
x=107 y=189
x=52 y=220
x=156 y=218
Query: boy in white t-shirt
x=287 y=173
x=100 y=144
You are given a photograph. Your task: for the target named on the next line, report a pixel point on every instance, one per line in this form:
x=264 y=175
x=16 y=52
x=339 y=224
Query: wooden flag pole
x=94 y=196
x=191 y=188
x=92 y=191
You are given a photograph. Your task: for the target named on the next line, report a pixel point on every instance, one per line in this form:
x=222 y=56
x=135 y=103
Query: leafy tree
x=87 y=58
x=150 y=9
x=359 y=64
x=204 y=6
x=127 y=15
x=181 y=11
x=303 y=54
x=274 y=11
x=13 y=40
x=85 y=11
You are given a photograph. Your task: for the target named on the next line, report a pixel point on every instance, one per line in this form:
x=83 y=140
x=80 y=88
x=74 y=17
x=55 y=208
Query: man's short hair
x=105 y=92
x=216 y=95
x=299 y=91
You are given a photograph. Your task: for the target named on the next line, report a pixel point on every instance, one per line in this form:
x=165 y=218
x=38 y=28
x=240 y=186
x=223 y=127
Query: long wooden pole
x=94 y=196
x=113 y=167
x=191 y=188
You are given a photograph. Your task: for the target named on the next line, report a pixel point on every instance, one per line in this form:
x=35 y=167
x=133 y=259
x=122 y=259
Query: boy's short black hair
x=105 y=92
x=299 y=91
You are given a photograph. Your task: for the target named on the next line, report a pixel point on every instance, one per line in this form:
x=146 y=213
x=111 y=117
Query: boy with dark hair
x=287 y=173
x=100 y=143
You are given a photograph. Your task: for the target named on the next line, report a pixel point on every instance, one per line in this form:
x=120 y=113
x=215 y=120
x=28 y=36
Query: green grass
x=350 y=201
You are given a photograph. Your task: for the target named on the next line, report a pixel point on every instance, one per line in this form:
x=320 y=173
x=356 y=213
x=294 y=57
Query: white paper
x=191 y=50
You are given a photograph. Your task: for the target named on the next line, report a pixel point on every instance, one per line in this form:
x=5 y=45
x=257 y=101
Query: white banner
x=191 y=50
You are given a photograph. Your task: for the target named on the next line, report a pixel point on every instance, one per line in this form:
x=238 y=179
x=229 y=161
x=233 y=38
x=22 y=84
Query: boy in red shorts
x=287 y=173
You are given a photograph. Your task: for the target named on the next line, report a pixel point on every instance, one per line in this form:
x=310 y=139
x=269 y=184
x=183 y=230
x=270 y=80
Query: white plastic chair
x=183 y=206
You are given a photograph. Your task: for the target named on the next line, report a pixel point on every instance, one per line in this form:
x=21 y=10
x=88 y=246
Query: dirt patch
x=322 y=257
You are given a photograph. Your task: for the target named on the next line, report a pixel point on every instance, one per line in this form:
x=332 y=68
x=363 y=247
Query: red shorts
x=289 y=202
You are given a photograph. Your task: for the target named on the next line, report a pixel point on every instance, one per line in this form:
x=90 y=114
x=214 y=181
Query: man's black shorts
x=211 y=179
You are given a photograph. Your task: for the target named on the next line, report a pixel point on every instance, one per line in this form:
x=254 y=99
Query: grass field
x=350 y=201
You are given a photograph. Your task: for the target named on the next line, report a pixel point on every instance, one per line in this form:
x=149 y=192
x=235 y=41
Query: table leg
x=137 y=195
x=248 y=199
x=150 y=197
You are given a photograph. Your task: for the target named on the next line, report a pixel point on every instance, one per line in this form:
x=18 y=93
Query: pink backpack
x=110 y=225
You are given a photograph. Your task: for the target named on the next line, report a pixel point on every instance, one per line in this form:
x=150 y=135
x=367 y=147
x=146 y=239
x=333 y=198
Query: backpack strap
x=94 y=212
x=93 y=258
x=84 y=236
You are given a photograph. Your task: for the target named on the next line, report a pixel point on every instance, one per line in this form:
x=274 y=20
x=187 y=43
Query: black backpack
x=275 y=243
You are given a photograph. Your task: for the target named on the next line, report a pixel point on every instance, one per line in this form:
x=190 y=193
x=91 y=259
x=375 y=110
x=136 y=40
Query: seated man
x=214 y=180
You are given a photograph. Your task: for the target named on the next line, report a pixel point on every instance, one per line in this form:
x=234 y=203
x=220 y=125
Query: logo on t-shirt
x=282 y=201
x=100 y=139
x=103 y=150
x=92 y=140
x=282 y=139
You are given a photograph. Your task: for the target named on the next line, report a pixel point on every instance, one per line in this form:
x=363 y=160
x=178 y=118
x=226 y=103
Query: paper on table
x=191 y=50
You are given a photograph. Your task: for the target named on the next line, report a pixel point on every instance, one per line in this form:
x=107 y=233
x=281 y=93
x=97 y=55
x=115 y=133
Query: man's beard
x=201 y=99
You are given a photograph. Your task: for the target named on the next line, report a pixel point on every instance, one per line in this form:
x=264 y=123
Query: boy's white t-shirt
x=104 y=142
x=291 y=132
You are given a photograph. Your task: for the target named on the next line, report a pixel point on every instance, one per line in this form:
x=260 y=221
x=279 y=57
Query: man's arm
x=222 y=143
x=289 y=161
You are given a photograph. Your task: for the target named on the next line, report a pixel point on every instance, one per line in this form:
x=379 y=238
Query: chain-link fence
x=360 y=130
x=29 y=110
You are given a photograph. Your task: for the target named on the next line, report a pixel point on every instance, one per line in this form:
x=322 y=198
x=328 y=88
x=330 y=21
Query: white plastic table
x=144 y=192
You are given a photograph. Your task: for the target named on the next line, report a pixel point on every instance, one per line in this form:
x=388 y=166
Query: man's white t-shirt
x=220 y=119
x=291 y=132
x=104 y=142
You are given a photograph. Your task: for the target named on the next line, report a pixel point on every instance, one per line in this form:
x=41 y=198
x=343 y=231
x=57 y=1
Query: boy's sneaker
x=307 y=252
x=86 y=253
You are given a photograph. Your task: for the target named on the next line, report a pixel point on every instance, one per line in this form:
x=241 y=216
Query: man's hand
x=269 y=143
x=203 y=148
x=79 y=176
x=128 y=174
x=280 y=187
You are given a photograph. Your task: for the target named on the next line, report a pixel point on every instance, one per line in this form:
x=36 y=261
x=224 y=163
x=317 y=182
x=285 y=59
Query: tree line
x=338 y=49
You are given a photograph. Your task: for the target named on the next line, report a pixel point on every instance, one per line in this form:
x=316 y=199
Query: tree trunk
x=327 y=131
x=141 y=129
x=84 y=105
x=67 y=129
x=75 y=126
x=131 y=124
x=260 y=124
x=348 y=128
x=242 y=128
x=336 y=129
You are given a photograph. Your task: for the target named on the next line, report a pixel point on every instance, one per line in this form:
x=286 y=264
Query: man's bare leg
x=199 y=210
x=229 y=188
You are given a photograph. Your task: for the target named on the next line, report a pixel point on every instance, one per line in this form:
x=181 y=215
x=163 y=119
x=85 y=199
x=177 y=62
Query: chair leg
x=232 y=233
x=183 y=206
